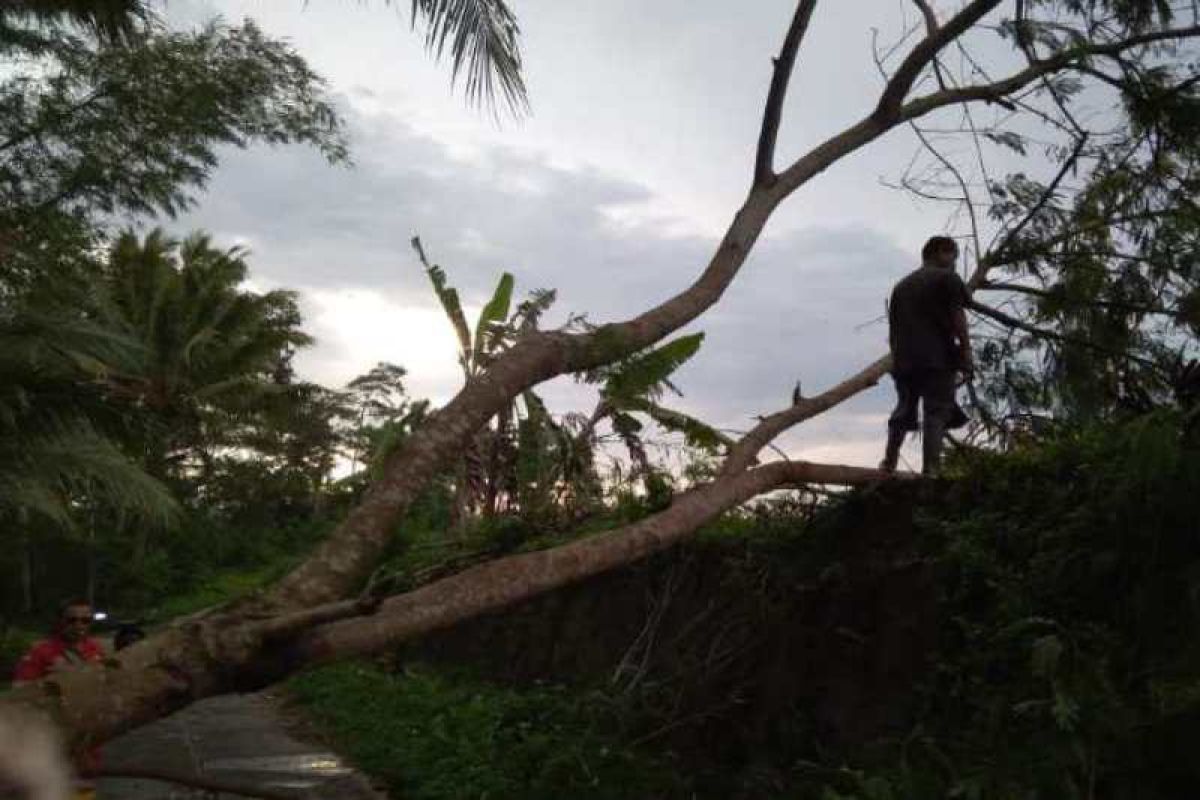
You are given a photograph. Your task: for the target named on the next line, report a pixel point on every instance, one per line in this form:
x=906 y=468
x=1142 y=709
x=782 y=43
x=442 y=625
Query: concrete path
x=243 y=738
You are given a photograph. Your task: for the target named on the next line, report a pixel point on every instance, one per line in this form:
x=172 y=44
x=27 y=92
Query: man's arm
x=962 y=334
x=958 y=299
x=33 y=667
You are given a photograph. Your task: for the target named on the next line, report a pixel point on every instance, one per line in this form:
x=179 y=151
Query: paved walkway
x=243 y=738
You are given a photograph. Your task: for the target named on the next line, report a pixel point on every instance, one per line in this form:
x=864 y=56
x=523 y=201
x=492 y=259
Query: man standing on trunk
x=927 y=331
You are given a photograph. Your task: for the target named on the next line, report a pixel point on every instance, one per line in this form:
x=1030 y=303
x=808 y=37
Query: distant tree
x=209 y=348
x=90 y=131
x=378 y=398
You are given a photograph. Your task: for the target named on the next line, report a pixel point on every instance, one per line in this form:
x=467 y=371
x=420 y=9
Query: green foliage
x=33 y=26
x=646 y=375
x=1105 y=270
x=483 y=38
x=96 y=131
x=448 y=297
x=695 y=432
x=433 y=735
x=214 y=590
x=210 y=350
x=1069 y=663
x=493 y=321
x=52 y=453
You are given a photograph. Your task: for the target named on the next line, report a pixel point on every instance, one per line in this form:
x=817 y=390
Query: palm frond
x=482 y=40
x=111 y=21
x=42 y=471
x=627 y=427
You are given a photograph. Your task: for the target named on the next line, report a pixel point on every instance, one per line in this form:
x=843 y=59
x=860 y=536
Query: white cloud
x=357 y=328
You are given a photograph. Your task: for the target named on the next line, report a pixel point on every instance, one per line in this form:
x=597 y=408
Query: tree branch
x=926 y=10
x=1033 y=291
x=285 y=626
x=892 y=99
x=931 y=26
x=1041 y=333
x=1062 y=60
x=764 y=169
x=1036 y=208
x=743 y=453
x=506 y=581
x=965 y=199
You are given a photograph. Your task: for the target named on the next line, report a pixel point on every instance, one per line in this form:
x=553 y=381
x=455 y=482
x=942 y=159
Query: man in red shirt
x=68 y=647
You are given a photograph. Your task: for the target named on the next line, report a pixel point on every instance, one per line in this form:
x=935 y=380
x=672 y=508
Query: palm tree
x=480 y=37
x=58 y=457
x=209 y=349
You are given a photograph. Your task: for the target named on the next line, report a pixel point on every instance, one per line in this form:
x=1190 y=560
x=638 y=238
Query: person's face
x=946 y=258
x=76 y=622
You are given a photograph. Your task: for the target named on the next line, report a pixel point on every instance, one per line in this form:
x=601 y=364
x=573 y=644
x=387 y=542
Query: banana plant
x=485 y=476
x=631 y=393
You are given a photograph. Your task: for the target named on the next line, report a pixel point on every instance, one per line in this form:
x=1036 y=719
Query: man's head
x=75 y=620
x=940 y=251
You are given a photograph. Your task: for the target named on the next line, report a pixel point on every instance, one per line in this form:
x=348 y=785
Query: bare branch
x=1065 y=59
x=892 y=99
x=1033 y=291
x=764 y=169
x=931 y=26
x=742 y=454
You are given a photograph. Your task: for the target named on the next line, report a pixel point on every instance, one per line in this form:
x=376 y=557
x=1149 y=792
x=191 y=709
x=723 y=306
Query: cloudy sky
x=614 y=192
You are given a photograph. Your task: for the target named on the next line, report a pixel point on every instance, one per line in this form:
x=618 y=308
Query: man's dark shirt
x=920 y=320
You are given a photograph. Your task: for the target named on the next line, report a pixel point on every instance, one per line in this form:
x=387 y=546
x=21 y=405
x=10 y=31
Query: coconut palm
x=209 y=349
x=54 y=446
x=60 y=465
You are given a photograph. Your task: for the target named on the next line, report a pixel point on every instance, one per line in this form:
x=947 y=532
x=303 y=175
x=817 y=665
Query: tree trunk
x=201 y=657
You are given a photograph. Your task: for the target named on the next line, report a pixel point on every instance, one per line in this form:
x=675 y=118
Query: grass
x=435 y=735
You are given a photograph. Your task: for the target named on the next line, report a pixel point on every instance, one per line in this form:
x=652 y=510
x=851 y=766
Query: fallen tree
x=319 y=612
